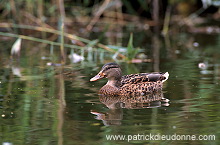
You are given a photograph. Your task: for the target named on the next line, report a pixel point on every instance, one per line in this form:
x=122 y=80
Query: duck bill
x=97 y=77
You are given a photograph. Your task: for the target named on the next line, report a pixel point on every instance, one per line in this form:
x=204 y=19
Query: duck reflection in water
x=116 y=104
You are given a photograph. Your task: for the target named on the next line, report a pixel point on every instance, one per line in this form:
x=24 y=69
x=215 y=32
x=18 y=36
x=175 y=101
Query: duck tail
x=166 y=76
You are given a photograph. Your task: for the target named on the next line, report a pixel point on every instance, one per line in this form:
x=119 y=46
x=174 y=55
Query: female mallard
x=133 y=84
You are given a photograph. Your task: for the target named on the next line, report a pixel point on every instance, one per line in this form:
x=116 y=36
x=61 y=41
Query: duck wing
x=144 y=77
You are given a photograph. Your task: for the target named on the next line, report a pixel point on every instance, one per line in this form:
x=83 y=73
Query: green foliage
x=131 y=51
x=92 y=43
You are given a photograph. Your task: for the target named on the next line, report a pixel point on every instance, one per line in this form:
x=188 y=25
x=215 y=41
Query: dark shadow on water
x=116 y=104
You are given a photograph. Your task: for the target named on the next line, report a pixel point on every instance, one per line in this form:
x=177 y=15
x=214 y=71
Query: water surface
x=42 y=104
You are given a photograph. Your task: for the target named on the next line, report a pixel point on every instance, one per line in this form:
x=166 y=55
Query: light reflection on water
x=43 y=105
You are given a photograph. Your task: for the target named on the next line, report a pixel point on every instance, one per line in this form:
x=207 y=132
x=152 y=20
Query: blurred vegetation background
x=82 y=24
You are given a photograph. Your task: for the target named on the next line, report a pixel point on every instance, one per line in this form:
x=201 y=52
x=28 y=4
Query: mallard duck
x=133 y=84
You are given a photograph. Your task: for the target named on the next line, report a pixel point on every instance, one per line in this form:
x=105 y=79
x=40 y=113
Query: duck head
x=111 y=71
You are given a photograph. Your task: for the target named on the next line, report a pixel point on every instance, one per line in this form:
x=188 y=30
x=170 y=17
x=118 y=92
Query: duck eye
x=102 y=74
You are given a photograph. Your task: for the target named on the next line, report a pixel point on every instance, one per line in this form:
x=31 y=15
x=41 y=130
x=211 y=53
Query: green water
x=40 y=104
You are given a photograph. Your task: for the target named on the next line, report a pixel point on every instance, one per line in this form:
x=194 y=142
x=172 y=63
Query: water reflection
x=116 y=104
x=16 y=71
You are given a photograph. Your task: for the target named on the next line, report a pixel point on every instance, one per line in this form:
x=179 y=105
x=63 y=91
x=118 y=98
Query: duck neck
x=114 y=82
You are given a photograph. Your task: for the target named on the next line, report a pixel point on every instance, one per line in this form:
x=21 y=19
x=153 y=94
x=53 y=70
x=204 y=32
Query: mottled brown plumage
x=133 y=84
